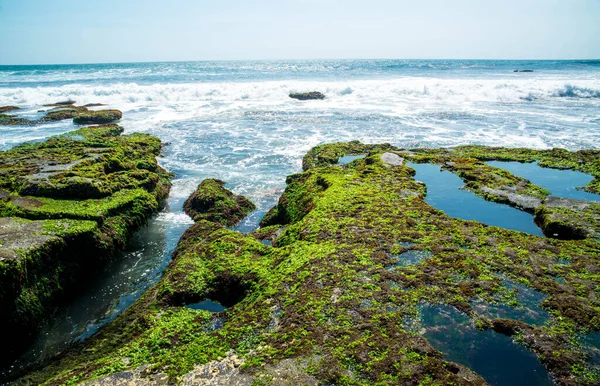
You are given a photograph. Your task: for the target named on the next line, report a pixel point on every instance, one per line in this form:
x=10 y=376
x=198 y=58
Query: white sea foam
x=174 y=218
x=376 y=92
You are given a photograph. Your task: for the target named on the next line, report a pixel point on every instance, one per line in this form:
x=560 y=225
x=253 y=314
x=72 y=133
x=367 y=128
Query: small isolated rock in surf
x=305 y=96
x=523 y=71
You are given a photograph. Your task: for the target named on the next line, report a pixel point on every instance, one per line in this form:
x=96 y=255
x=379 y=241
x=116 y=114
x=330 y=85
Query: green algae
x=212 y=202
x=81 y=194
x=323 y=292
x=97 y=117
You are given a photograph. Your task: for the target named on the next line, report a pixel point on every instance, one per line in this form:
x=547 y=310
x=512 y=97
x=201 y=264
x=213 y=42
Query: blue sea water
x=234 y=121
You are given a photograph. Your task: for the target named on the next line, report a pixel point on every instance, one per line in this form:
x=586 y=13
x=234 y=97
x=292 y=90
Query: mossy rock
x=212 y=202
x=60 y=113
x=79 y=194
x=330 y=300
x=9 y=120
x=98 y=117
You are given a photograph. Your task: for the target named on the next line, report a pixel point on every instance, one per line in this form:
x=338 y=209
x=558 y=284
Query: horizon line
x=298 y=60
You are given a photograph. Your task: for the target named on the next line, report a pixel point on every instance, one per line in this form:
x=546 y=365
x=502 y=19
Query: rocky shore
x=336 y=285
x=67 y=206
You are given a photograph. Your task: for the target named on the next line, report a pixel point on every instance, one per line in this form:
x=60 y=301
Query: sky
x=80 y=31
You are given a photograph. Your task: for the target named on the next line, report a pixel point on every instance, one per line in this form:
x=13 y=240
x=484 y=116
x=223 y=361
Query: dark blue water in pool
x=207 y=305
x=444 y=193
x=493 y=356
x=560 y=183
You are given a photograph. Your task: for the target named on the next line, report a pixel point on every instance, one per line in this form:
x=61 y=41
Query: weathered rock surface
x=334 y=300
x=305 y=96
x=97 y=117
x=66 y=205
x=212 y=202
x=565 y=218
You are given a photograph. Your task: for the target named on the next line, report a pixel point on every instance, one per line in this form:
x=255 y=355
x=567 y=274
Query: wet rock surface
x=357 y=255
x=305 y=96
x=66 y=206
x=97 y=117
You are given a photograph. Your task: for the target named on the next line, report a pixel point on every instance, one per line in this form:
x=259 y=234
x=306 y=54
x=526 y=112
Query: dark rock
x=523 y=71
x=5 y=109
x=94 y=105
x=307 y=96
x=98 y=117
x=61 y=103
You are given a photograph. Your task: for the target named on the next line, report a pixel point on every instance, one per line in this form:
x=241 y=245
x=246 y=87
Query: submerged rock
x=337 y=298
x=212 y=202
x=523 y=71
x=66 y=206
x=98 y=117
x=304 y=96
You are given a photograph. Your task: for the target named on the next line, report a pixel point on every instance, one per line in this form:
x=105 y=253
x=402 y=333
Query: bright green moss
x=331 y=291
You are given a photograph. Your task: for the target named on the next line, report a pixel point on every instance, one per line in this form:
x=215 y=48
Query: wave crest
x=570 y=91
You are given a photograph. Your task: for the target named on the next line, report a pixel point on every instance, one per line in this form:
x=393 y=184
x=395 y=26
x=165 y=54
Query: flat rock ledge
x=67 y=205
x=339 y=298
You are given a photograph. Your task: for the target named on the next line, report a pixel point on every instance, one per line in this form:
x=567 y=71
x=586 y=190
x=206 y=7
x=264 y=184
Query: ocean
x=234 y=121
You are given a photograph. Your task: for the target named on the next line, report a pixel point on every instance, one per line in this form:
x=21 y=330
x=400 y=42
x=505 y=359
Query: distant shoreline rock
x=523 y=71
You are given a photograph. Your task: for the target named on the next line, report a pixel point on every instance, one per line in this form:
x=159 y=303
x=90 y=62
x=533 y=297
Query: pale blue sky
x=83 y=31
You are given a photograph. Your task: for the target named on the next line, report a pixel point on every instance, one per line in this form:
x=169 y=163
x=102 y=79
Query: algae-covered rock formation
x=305 y=96
x=61 y=111
x=365 y=284
x=66 y=206
x=97 y=117
x=212 y=202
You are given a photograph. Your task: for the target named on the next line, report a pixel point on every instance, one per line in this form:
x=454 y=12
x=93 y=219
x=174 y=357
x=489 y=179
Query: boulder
x=212 y=202
x=307 y=95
